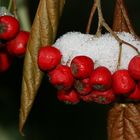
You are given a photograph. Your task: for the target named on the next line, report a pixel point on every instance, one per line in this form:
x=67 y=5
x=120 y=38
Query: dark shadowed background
x=49 y=118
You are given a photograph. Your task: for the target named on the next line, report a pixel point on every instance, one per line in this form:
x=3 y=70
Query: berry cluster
x=81 y=81
x=13 y=41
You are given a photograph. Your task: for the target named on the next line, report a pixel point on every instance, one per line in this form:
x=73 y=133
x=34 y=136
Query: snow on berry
x=4 y=11
x=103 y=50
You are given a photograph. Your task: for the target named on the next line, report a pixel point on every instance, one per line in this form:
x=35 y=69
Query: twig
x=102 y=23
x=9 y=5
x=94 y=7
x=100 y=18
x=15 y=8
x=130 y=45
x=119 y=56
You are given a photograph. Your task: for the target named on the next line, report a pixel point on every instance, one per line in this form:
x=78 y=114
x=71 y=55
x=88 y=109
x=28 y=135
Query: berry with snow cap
x=103 y=50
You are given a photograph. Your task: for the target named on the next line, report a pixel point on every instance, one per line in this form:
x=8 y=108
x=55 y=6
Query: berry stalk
x=102 y=23
x=14 y=8
x=94 y=7
x=9 y=5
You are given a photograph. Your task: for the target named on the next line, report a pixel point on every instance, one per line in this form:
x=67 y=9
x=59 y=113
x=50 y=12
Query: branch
x=15 y=8
x=102 y=23
x=94 y=7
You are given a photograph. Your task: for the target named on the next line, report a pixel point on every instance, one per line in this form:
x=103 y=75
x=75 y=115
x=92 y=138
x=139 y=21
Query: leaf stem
x=9 y=5
x=94 y=7
x=130 y=45
x=100 y=18
x=119 y=56
x=14 y=8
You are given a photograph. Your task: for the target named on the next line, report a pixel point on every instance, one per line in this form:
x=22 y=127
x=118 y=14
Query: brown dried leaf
x=43 y=32
x=121 y=21
x=123 y=119
x=124 y=122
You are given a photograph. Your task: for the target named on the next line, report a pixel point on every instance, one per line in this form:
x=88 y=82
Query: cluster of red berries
x=13 y=41
x=81 y=81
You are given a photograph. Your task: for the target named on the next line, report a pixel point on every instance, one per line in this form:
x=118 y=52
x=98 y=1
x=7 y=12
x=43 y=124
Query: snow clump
x=104 y=50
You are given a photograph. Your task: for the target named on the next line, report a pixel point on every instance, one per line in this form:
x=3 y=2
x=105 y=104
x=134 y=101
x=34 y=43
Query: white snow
x=103 y=50
x=4 y=11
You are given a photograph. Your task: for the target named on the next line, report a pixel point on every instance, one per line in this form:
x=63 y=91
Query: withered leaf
x=121 y=21
x=124 y=122
x=43 y=32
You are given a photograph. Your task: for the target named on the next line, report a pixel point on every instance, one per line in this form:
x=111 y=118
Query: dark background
x=49 y=118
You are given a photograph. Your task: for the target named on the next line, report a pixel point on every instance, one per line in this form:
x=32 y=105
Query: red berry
x=9 y=27
x=83 y=86
x=87 y=98
x=101 y=79
x=135 y=95
x=123 y=84
x=134 y=67
x=2 y=43
x=17 y=46
x=48 y=58
x=139 y=84
x=70 y=97
x=61 y=77
x=5 y=61
x=82 y=66
x=101 y=97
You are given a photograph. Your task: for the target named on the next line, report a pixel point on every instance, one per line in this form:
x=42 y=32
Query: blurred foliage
x=23 y=13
